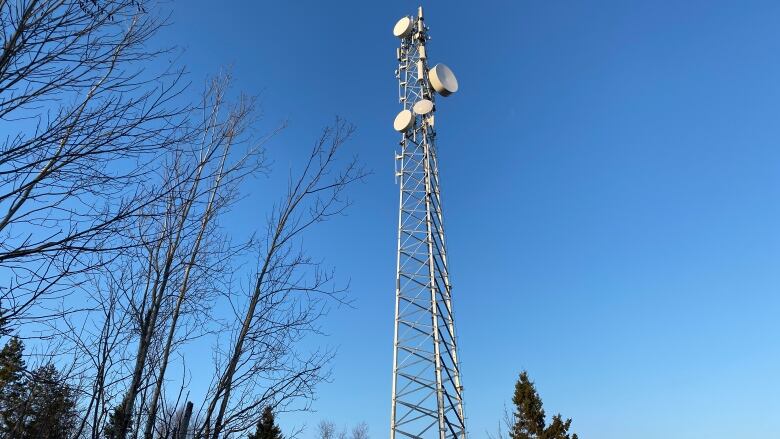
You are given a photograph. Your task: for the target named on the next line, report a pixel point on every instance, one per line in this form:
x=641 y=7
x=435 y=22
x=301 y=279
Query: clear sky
x=611 y=184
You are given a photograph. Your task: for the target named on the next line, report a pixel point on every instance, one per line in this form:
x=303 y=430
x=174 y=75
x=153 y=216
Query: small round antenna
x=423 y=107
x=443 y=80
x=403 y=27
x=403 y=121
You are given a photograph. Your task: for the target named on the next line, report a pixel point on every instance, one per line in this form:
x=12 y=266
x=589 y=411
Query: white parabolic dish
x=423 y=107
x=443 y=80
x=403 y=121
x=403 y=27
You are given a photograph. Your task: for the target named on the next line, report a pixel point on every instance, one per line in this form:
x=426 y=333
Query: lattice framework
x=427 y=398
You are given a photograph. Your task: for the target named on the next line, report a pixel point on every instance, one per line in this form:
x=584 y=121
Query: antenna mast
x=427 y=399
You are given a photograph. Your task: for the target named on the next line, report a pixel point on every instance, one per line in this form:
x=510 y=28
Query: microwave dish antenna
x=403 y=27
x=423 y=107
x=443 y=80
x=403 y=121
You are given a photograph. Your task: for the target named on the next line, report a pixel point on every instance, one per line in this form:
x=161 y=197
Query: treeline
x=120 y=286
x=328 y=430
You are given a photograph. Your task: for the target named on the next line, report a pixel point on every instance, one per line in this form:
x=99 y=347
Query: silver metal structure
x=427 y=400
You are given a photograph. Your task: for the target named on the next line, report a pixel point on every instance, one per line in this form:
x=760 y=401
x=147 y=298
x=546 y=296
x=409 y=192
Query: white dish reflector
x=443 y=80
x=423 y=107
x=403 y=27
x=403 y=121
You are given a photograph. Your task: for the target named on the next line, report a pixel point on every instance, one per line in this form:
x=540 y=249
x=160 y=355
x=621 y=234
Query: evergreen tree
x=266 y=426
x=529 y=419
x=39 y=406
x=529 y=414
x=11 y=362
x=52 y=413
x=111 y=430
x=12 y=386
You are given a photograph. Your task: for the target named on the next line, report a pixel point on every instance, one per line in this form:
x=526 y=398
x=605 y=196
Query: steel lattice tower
x=427 y=400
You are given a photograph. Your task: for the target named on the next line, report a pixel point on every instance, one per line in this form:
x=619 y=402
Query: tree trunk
x=184 y=425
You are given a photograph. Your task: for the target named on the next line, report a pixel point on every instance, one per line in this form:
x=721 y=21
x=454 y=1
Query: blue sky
x=611 y=184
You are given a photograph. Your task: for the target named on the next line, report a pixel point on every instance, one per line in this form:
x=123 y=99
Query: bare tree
x=111 y=189
x=101 y=348
x=175 y=422
x=504 y=425
x=156 y=296
x=173 y=273
x=326 y=430
x=289 y=293
x=85 y=125
x=219 y=139
x=360 y=431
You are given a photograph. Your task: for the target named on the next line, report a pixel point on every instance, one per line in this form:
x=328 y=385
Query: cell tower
x=427 y=391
